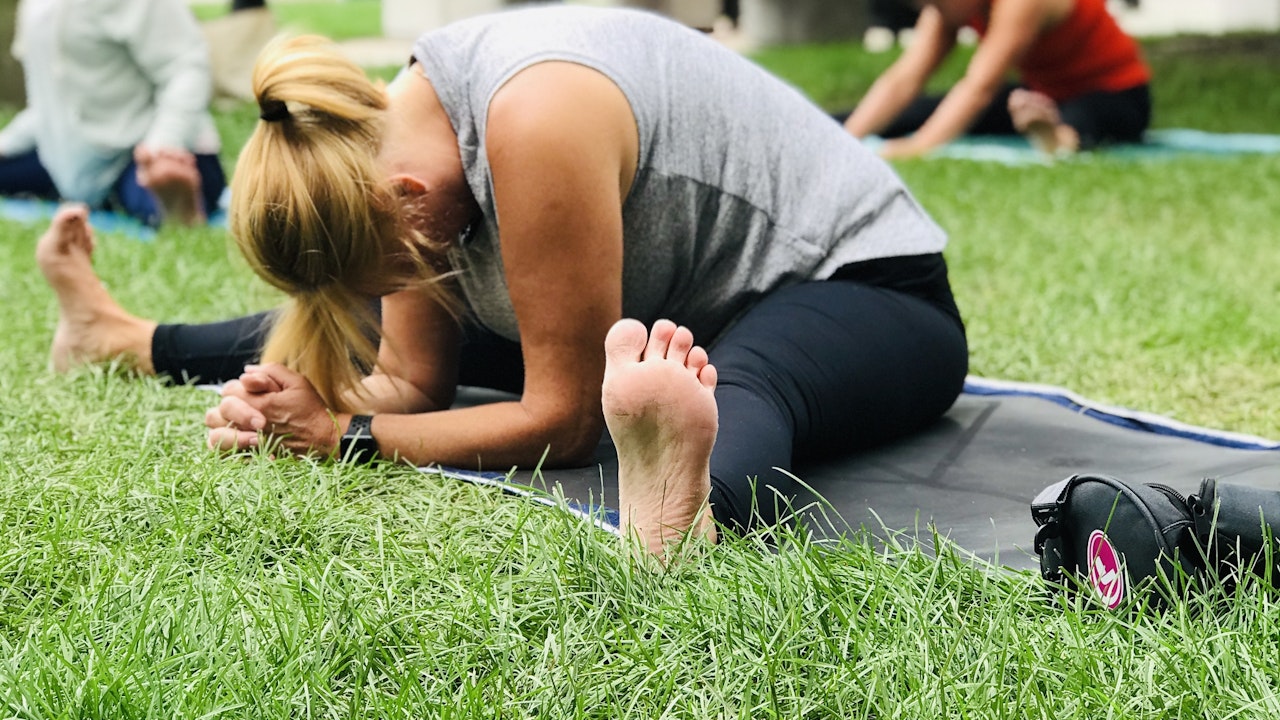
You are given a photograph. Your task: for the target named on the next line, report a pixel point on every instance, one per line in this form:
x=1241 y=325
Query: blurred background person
x=117 y=110
x=1082 y=80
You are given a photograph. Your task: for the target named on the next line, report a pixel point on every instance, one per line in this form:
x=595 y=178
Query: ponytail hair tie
x=273 y=110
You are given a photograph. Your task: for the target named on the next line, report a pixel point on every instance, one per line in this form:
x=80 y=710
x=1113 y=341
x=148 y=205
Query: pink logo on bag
x=1105 y=573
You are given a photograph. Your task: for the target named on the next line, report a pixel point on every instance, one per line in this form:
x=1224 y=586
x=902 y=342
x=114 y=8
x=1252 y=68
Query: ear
x=408 y=186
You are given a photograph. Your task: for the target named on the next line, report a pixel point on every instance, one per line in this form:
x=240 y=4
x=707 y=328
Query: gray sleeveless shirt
x=743 y=185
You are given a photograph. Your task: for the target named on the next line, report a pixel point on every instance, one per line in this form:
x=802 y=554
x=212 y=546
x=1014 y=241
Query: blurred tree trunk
x=11 y=88
x=697 y=13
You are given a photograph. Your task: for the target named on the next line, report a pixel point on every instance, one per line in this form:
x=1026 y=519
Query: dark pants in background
x=1100 y=118
x=24 y=175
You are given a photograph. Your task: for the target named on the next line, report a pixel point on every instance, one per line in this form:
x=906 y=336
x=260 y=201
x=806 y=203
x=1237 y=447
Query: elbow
x=574 y=442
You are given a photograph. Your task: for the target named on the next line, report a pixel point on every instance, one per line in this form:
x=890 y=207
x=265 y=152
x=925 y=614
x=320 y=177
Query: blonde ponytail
x=309 y=335
x=313 y=215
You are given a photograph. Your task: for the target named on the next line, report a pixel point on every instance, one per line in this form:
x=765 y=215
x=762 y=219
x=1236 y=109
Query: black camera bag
x=1236 y=526
x=1098 y=532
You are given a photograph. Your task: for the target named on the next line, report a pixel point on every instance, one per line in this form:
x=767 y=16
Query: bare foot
x=92 y=327
x=1036 y=116
x=171 y=175
x=660 y=407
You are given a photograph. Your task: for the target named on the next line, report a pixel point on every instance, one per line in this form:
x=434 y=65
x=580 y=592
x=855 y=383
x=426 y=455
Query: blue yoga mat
x=38 y=212
x=1162 y=144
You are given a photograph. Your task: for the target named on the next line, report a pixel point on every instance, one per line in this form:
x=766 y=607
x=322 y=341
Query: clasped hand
x=275 y=402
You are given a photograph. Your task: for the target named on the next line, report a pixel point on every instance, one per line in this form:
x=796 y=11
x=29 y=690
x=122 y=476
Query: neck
x=420 y=143
x=419 y=138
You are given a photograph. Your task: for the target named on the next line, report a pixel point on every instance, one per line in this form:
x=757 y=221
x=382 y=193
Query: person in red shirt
x=1082 y=79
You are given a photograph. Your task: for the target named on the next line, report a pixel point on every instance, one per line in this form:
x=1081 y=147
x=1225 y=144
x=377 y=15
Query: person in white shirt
x=117 y=110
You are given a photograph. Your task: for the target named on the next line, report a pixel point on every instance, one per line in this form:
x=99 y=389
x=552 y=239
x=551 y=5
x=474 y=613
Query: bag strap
x=1047 y=506
x=1046 y=511
x=1203 y=506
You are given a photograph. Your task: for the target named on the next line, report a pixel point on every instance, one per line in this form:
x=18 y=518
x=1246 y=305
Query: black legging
x=217 y=352
x=874 y=353
x=1099 y=118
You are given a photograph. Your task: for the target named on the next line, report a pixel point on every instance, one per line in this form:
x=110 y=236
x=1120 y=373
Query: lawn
x=337 y=19
x=1141 y=284
x=141 y=576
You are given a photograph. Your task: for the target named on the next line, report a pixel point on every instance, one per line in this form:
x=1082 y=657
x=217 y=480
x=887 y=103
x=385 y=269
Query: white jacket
x=103 y=76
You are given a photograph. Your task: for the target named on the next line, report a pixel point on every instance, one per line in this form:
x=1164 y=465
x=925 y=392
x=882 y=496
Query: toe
x=681 y=344
x=659 y=339
x=70 y=214
x=708 y=376
x=696 y=359
x=625 y=341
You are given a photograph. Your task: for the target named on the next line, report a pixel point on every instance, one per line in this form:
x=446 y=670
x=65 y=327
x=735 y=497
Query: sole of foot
x=172 y=177
x=659 y=405
x=1036 y=116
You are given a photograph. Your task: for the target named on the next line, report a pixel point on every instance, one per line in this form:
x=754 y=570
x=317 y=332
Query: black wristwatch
x=357 y=443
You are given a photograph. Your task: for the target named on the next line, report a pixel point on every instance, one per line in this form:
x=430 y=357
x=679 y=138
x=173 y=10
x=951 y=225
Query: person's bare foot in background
x=92 y=327
x=171 y=175
x=1036 y=116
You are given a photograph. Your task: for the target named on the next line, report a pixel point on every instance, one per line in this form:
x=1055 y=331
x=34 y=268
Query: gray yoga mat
x=971 y=476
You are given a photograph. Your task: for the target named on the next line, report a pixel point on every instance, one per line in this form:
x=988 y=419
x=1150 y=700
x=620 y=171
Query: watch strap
x=357 y=442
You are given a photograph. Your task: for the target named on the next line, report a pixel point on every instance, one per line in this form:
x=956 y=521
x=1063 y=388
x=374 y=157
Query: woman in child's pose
x=556 y=201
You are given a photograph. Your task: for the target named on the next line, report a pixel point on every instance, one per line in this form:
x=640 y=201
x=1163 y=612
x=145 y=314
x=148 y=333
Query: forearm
x=958 y=110
x=557 y=426
x=19 y=136
x=1013 y=28
x=906 y=77
x=495 y=436
x=382 y=393
x=884 y=102
x=180 y=108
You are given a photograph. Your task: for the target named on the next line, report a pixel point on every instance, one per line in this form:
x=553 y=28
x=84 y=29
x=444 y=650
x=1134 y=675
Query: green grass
x=336 y=19
x=1143 y=284
x=141 y=576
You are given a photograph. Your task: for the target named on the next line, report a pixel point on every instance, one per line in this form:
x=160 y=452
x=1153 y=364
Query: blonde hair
x=313 y=215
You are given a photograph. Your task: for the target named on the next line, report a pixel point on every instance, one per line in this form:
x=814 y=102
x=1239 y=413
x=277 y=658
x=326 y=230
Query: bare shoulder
x=559 y=97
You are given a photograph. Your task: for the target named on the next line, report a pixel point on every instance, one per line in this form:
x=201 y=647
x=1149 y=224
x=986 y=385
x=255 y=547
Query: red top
x=1086 y=52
